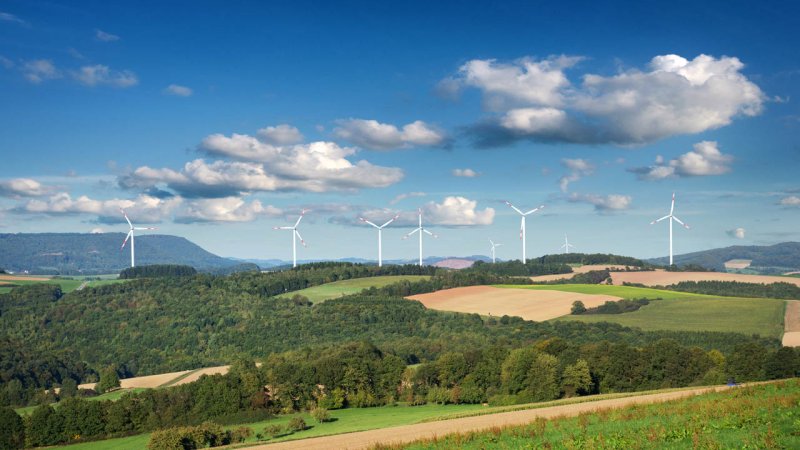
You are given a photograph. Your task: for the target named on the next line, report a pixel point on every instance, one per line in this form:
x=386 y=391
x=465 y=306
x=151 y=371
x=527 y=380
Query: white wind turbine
x=671 y=217
x=494 y=246
x=566 y=245
x=380 y=230
x=295 y=235
x=130 y=236
x=522 y=225
x=421 y=230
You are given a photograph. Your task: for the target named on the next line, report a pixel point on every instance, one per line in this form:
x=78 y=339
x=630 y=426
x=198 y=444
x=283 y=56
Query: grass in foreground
x=680 y=311
x=341 y=288
x=763 y=416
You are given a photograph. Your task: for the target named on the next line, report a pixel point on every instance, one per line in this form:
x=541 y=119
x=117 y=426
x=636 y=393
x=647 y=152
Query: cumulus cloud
x=467 y=173
x=101 y=35
x=374 y=135
x=178 y=90
x=578 y=168
x=706 y=159
x=39 y=70
x=23 y=187
x=281 y=135
x=98 y=74
x=791 y=200
x=453 y=211
x=603 y=203
x=227 y=209
x=96 y=230
x=142 y=209
x=401 y=197
x=737 y=233
x=535 y=100
x=261 y=166
x=6 y=63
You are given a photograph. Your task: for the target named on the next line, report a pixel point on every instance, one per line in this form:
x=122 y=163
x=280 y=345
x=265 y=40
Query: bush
x=296 y=424
x=321 y=415
x=273 y=431
x=208 y=434
x=240 y=434
x=577 y=308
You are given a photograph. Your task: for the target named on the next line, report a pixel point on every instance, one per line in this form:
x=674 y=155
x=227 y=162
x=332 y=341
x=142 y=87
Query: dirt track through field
x=664 y=278
x=529 y=304
x=791 y=324
x=410 y=433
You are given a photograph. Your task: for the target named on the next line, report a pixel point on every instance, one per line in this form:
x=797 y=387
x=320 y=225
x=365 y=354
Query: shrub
x=240 y=434
x=273 y=431
x=296 y=424
x=321 y=415
x=577 y=307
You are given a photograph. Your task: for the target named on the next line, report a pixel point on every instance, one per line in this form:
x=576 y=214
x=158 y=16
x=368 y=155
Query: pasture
x=536 y=305
x=664 y=278
x=341 y=288
x=7 y=282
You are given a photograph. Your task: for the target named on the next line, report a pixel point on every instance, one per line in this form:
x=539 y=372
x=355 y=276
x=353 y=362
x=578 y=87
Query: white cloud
x=142 y=209
x=227 y=209
x=737 y=233
x=180 y=91
x=401 y=197
x=457 y=211
x=467 y=173
x=96 y=230
x=374 y=135
x=101 y=35
x=6 y=63
x=99 y=74
x=8 y=17
x=791 y=200
x=313 y=167
x=281 y=135
x=706 y=159
x=23 y=187
x=673 y=96
x=578 y=168
x=603 y=203
x=39 y=70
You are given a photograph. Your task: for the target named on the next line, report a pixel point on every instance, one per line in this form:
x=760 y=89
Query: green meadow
x=341 y=288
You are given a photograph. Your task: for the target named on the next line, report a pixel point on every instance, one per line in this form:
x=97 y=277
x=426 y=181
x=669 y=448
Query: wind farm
x=130 y=236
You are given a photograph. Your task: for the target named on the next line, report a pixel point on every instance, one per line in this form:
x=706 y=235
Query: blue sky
x=218 y=120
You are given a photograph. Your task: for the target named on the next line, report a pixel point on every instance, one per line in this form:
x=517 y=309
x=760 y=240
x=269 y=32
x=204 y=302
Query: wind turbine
x=295 y=235
x=380 y=230
x=421 y=230
x=494 y=246
x=130 y=236
x=566 y=245
x=522 y=225
x=671 y=217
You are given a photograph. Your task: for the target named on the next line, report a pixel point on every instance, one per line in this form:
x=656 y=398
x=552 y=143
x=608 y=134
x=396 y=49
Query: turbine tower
x=494 y=246
x=130 y=236
x=522 y=225
x=380 y=230
x=421 y=230
x=671 y=217
x=566 y=245
x=295 y=235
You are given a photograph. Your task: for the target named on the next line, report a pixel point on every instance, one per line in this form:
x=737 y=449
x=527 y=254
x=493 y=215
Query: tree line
x=157 y=270
x=779 y=290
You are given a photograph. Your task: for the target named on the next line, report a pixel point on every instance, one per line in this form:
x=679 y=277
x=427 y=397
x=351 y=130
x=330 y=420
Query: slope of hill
x=771 y=259
x=77 y=253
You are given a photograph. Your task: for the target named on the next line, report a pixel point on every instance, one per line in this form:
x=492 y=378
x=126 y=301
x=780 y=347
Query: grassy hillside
x=771 y=259
x=681 y=311
x=353 y=286
x=762 y=416
x=67 y=285
x=78 y=253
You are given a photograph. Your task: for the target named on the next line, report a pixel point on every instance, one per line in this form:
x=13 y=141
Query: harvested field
x=791 y=324
x=664 y=278
x=194 y=376
x=576 y=270
x=149 y=381
x=7 y=277
x=529 y=304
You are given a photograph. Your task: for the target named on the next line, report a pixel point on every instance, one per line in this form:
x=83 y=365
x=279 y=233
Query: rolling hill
x=79 y=253
x=770 y=259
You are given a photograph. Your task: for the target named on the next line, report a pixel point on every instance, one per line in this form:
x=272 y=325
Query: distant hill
x=76 y=253
x=771 y=259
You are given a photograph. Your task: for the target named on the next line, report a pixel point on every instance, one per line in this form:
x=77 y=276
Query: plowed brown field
x=529 y=304
x=664 y=278
x=791 y=324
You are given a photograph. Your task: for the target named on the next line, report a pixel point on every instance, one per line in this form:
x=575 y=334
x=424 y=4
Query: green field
x=682 y=311
x=67 y=284
x=763 y=416
x=346 y=287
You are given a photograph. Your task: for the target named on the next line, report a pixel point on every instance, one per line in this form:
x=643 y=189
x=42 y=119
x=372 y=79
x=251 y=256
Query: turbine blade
x=367 y=221
x=412 y=232
x=126 y=217
x=659 y=220
x=672 y=207
x=534 y=210
x=514 y=207
x=491 y=242
x=390 y=221
x=301 y=238
x=300 y=218
x=145 y=228
x=679 y=221
x=283 y=228
x=126 y=239
x=429 y=233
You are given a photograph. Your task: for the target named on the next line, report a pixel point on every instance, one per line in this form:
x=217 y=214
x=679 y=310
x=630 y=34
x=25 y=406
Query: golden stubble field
x=538 y=305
